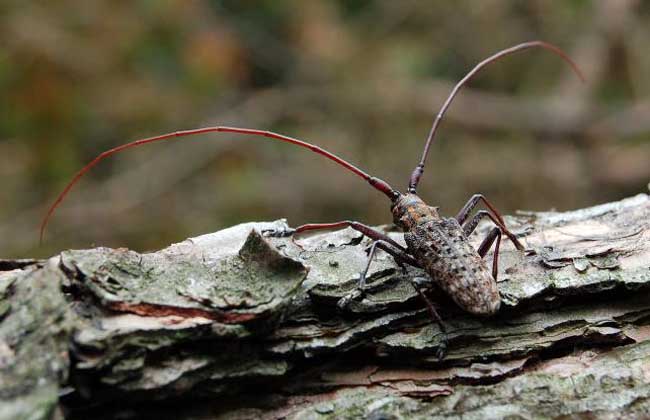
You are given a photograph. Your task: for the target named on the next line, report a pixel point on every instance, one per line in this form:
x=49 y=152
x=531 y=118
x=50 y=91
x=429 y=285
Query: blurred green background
x=363 y=79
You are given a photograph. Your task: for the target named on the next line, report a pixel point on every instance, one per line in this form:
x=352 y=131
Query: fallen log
x=235 y=324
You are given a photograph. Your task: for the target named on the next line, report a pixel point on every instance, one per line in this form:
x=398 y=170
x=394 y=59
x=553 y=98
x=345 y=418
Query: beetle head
x=409 y=210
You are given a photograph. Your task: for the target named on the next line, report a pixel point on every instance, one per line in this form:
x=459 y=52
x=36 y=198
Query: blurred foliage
x=360 y=78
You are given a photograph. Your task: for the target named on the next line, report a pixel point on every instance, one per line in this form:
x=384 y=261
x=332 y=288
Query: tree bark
x=234 y=324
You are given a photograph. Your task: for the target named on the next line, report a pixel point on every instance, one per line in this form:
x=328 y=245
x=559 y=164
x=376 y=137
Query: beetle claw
x=441 y=351
x=278 y=232
x=345 y=301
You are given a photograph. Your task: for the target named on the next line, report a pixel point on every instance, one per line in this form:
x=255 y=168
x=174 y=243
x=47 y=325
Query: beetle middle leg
x=401 y=258
x=381 y=241
x=399 y=254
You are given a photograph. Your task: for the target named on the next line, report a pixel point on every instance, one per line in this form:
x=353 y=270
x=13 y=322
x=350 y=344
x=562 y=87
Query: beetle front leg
x=359 y=227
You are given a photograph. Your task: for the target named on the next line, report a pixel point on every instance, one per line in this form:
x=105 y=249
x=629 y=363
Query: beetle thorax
x=409 y=210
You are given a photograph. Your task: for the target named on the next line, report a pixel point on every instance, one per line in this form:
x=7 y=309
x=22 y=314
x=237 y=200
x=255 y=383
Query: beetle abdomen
x=448 y=257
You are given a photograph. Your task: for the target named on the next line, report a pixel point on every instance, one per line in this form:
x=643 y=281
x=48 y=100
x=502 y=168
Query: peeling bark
x=233 y=324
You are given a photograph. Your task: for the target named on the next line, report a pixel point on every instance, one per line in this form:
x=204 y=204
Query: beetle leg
x=360 y=227
x=470 y=225
x=400 y=256
x=493 y=214
x=473 y=202
x=485 y=246
x=442 y=348
x=283 y=232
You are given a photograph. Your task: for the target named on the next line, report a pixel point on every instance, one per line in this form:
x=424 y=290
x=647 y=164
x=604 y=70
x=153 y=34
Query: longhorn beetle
x=437 y=244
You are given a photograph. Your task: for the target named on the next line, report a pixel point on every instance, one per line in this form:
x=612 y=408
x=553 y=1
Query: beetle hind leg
x=495 y=234
x=441 y=351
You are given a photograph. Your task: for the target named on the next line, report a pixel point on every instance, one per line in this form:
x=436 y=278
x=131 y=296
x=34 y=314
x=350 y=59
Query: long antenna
x=419 y=169
x=376 y=183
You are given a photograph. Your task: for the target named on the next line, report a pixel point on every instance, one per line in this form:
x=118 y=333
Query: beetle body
x=445 y=253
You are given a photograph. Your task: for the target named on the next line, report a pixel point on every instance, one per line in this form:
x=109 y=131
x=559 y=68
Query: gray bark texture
x=236 y=325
